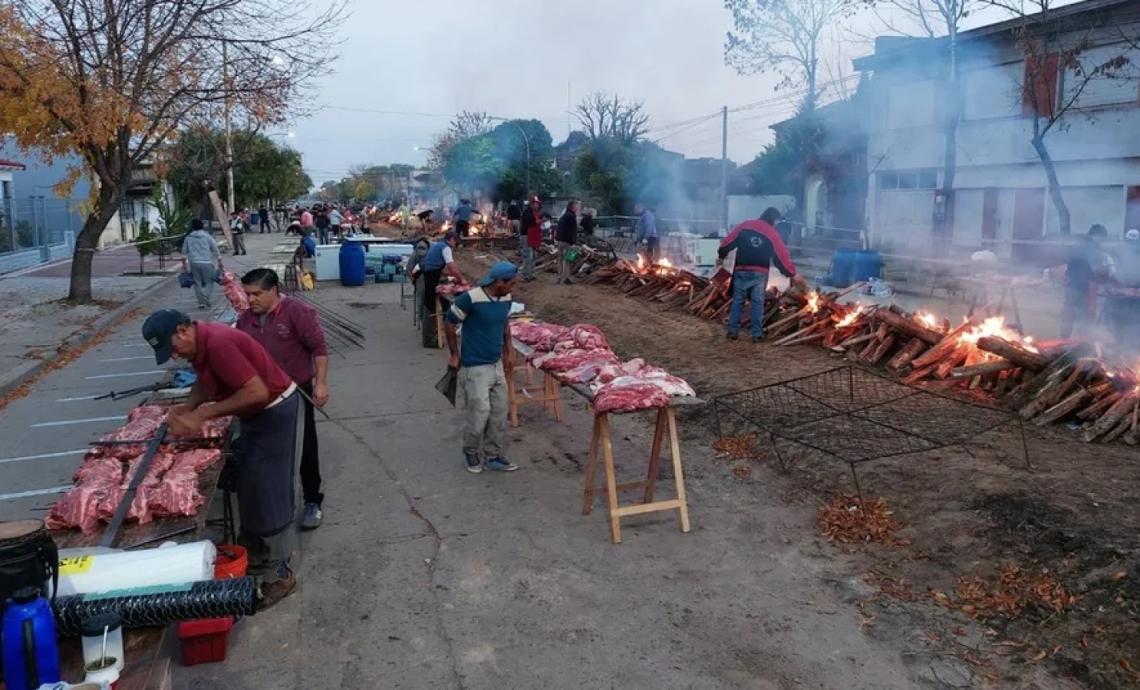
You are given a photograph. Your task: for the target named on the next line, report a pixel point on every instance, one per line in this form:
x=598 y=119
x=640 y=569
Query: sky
x=406 y=66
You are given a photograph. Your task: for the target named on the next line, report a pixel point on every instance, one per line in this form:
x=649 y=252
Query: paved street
x=424 y=576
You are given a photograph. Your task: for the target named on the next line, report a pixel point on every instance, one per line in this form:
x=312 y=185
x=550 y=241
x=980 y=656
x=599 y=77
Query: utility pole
x=724 y=168
x=229 y=133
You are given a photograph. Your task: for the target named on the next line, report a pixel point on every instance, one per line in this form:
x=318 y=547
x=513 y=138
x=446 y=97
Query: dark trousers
x=651 y=249
x=431 y=282
x=463 y=227
x=310 y=459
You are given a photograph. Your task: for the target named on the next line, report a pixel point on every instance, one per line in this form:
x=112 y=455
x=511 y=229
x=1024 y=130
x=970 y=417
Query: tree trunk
x=79 y=291
x=952 y=108
x=1063 y=217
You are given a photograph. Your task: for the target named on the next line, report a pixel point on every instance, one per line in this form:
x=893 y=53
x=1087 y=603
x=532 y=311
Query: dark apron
x=431 y=282
x=265 y=473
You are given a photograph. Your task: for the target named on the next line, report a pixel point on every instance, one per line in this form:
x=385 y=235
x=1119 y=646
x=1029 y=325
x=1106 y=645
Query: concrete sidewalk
x=424 y=576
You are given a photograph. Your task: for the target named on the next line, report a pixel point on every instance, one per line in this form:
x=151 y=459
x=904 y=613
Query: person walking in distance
x=200 y=251
x=531 y=222
x=242 y=380
x=263 y=215
x=290 y=331
x=237 y=231
x=647 y=231
x=484 y=364
x=757 y=246
x=514 y=215
x=567 y=236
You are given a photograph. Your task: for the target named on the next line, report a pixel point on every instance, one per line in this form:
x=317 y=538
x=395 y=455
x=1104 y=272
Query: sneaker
x=268 y=595
x=501 y=465
x=311 y=517
x=471 y=462
x=732 y=336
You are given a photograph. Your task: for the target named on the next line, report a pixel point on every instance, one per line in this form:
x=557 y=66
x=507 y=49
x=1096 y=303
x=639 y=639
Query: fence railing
x=36 y=222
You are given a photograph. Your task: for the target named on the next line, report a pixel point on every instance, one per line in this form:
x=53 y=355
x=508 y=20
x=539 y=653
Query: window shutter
x=1039 y=90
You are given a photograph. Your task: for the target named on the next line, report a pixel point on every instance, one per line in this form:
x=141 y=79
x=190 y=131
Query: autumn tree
x=605 y=116
x=113 y=81
x=1066 y=55
x=785 y=37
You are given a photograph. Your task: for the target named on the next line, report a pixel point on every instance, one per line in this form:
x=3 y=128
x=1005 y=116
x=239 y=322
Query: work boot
x=270 y=594
x=311 y=517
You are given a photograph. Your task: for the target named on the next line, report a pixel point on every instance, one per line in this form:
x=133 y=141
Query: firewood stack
x=1046 y=382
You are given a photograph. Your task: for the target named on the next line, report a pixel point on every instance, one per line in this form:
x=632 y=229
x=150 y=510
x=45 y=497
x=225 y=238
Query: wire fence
x=37 y=222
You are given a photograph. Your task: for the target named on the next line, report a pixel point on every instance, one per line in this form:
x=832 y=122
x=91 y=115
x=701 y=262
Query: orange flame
x=995 y=327
x=813 y=302
x=850 y=318
x=640 y=263
x=665 y=263
x=929 y=320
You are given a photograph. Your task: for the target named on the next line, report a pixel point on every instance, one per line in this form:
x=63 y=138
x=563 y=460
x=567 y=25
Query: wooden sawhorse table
x=600 y=442
x=525 y=393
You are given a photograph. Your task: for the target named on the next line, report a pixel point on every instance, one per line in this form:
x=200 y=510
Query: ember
x=851 y=317
x=813 y=302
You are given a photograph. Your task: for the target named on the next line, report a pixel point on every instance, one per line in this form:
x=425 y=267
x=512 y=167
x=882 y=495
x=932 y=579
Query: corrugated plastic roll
x=160 y=605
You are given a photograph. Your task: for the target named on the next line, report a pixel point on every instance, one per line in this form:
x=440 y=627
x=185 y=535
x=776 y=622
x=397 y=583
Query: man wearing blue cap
x=241 y=378
x=484 y=362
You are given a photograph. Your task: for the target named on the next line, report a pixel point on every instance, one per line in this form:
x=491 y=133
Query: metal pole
x=526 y=141
x=724 y=168
x=229 y=135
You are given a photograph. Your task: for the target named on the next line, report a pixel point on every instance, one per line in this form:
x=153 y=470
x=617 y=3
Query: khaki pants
x=483 y=390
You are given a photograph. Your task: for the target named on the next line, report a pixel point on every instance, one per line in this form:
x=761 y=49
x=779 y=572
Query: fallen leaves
x=848 y=520
x=737 y=447
x=1007 y=595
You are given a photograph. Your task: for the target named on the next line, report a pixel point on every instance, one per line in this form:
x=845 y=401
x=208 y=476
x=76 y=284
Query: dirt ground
x=967 y=515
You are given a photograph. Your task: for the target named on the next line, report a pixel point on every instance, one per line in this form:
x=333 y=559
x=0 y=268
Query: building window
x=909 y=180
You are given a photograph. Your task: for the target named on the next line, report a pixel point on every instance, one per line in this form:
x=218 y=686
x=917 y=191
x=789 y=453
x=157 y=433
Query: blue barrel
x=842 y=267
x=867 y=264
x=351 y=264
x=31 y=657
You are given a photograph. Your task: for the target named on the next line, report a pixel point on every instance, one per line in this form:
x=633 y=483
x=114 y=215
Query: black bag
x=28 y=558
x=449 y=384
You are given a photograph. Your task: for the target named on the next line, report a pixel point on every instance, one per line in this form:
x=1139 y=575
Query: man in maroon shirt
x=290 y=331
x=240 y=378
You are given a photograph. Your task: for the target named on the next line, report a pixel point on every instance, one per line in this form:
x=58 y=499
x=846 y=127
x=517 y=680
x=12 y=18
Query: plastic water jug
x=31 y=657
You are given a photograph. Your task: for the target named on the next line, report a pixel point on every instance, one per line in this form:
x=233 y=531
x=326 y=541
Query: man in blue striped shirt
x=484 y=363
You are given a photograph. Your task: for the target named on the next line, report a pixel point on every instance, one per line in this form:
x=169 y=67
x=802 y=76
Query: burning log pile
x=1046 y=382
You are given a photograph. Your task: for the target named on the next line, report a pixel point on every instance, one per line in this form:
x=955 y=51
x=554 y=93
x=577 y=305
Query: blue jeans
x=753 y=286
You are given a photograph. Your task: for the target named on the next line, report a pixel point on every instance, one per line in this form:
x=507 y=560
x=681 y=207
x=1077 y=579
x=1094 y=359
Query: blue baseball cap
x=503 y=270
x=159 y=328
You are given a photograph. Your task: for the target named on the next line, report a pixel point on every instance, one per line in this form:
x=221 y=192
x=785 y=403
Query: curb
x=95 y=329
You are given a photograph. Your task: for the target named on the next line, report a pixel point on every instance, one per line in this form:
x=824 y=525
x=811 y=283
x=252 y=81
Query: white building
x=1001 y=197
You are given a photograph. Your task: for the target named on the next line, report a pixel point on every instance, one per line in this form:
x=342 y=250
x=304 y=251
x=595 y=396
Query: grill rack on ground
x=855 y=416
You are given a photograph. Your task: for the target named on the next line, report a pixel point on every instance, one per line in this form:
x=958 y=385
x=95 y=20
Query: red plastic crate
x=204 y=641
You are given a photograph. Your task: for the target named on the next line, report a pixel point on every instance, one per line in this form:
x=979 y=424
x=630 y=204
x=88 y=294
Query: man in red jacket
x=757 y=246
